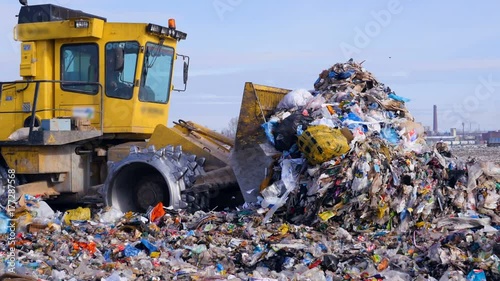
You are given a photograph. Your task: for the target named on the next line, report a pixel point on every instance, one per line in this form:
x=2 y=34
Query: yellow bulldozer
x=88 y=119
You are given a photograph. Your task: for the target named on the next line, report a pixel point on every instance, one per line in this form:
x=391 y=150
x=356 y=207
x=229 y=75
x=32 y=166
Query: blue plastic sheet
x=353 y=117
x=4 y=223
x=476 y=275
x=403 y=215
x=268 y=129
x=389 y=114
x=131 y=251
x=151 y=248
x=398 y=98
x=107 y=256
x=390 y=135
x=341 y=75
x=219 y=267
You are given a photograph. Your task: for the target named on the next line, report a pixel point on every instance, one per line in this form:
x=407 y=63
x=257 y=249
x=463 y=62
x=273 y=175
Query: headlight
x=165 y=31
x=153 y=28
x=82 y=24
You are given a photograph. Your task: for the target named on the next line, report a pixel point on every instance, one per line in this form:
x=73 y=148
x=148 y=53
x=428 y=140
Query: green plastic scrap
x=389 y=223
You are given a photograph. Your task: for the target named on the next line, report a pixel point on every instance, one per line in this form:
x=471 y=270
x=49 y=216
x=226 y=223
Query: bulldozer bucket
x=196 y=140
x=252 y=153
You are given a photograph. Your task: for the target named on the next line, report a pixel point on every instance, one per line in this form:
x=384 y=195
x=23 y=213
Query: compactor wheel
x=150 y=191
x=149 y=176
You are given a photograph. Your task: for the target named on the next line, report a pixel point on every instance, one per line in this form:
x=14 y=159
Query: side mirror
x=185 y=72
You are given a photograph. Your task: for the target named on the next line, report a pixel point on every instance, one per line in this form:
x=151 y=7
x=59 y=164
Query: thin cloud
x=255 y=59
x=214 y=72
x=205 y=98
x=212 y=97
x=400 y=74
x=397 y=74
x=457 y=64
x=210 y=102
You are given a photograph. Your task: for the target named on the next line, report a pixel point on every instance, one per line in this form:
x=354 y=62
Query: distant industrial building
x=451 y=137
x=491 y=138
x=435 y=121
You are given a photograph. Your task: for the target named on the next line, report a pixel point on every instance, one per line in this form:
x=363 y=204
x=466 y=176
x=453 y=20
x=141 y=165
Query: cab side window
x=121 y=62
x=80 y=65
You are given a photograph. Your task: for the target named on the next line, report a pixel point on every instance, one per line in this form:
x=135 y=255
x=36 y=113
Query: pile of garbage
x=357 y=194
x=354 y=157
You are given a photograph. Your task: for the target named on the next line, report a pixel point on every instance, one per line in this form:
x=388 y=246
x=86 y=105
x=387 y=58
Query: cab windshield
x=156 y=73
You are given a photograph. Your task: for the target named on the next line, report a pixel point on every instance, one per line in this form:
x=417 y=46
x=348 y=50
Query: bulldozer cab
x=78 y=67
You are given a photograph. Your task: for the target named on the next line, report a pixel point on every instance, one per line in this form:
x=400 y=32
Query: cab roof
x=50 y=12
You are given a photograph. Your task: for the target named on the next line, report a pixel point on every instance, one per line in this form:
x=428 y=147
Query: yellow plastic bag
x=326 y=215
x=23 y=219
x=321 y=143
x=78 y=214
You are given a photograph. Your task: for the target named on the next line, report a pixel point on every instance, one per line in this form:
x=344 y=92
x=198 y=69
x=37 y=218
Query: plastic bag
x=43 y=211
x=352 y=120
x=272 y=193
x=111 y=216
x=398 y=98
x=131 y=251
x=341 y=75
x=296 y=98
x=269 y=128
x=78 y=214
x=157 y=212
x=476 y=275
x=285 y=134
x=315 y=102
x=4 y=223
x=396 y=276
x=20 y=134
x=289 y=175
x=23 y=219
x=390 y=135
x=321 y=143
x=151 y=248
x=324 y=121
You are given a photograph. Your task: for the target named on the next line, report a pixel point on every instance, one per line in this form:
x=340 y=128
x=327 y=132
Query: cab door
x=77 y=65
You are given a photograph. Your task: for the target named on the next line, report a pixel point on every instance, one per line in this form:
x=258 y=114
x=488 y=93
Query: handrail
x=35 y=98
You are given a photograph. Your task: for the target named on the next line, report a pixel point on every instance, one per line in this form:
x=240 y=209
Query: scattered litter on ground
x=479 y=152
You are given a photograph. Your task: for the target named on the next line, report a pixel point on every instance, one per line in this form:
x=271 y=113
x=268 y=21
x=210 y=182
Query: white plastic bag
x=111 y=216
x=21 y=134
x=296 y=98
x=289 y=175
x=316 y=102
x=43 y=213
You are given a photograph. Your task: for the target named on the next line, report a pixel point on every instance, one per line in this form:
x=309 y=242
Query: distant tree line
x=230 y=130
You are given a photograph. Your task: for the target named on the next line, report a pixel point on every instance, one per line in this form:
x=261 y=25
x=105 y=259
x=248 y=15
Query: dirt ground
x=479 y=152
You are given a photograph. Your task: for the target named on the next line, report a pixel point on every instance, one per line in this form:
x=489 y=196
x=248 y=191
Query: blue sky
x=434 y=52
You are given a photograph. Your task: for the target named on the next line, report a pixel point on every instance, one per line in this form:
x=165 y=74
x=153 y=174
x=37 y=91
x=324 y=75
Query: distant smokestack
x=435 y=119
